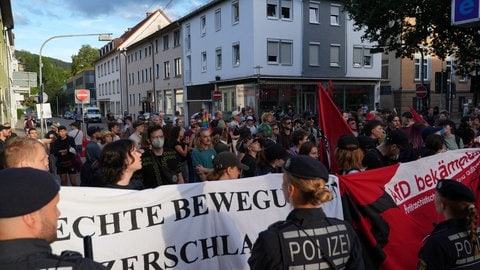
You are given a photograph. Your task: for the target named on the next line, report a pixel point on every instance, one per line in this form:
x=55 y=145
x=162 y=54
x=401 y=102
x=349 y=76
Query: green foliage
x=84 y=59
x=408 y=26
x=55 y=73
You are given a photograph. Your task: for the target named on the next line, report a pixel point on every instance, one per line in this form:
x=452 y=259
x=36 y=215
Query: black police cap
x=306 y=167
x=455 y=191
x=25 y=190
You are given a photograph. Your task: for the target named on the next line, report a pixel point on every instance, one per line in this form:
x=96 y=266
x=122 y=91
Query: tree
x=407 y=27
x=84 y=59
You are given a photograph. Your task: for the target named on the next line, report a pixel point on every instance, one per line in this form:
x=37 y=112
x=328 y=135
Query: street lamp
x=101 y=37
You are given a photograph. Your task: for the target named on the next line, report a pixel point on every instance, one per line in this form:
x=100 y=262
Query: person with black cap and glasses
x=307 y=238
x=453 y=243
x=28 y=223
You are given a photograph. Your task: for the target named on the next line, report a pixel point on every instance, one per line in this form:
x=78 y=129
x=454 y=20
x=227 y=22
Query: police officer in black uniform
x=28 y=223
x=453 y=244
x=307 y=239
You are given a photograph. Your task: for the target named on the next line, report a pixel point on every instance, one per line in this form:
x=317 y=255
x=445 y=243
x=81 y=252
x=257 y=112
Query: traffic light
x=439 y=78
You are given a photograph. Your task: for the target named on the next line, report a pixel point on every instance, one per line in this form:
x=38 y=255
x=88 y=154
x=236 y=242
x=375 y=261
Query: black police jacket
x=29 y=253
x=305 y=239
x=449 y=247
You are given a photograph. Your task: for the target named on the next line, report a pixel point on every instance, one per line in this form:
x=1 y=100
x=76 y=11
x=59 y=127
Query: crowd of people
x=151 y=153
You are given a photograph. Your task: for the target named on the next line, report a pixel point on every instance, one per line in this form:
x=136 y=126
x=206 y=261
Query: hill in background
x=30 y=61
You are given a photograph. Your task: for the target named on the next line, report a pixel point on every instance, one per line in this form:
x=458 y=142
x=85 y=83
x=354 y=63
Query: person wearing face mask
x=160 y=164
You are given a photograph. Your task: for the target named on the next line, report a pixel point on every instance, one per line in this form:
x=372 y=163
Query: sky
x=37 y=20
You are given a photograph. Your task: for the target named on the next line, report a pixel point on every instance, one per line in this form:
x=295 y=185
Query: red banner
x=393 y=210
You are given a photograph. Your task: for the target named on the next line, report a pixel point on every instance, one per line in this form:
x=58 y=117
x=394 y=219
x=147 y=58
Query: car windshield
x=93 y=111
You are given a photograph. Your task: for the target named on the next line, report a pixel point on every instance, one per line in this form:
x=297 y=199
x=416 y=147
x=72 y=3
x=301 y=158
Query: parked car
x=68 y=115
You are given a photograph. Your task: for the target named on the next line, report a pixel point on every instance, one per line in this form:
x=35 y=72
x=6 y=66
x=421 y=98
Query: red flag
x=416 y=116
x=330 y=88
x=332 y=124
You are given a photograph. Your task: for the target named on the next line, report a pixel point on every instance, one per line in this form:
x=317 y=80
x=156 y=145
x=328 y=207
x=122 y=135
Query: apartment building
x=154 y=78
x=111 y=67
x=264 y=53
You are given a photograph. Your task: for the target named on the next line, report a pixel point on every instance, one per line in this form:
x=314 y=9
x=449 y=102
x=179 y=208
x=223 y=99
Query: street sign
x=421 y=91
x=465 y=12
x=82 y=96
x=217 y=95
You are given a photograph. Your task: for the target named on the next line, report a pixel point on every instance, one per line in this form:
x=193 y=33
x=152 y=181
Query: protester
x=107 y=137
x=352 y=123
x=114 y=128
x=160 y=165
x=25 y=152
x=434 y=144
x=299 y=137
x=453 y=243
x=393 y=123
x=138 y=129
x=92 y=149
x=77 y=135
x=387 y=152
x=252 y=146
x=310 y=149
x=127 y=126
x=452 y=141
x=226 y=166
x=306 y=226
x=374 y=130
x=348 y=155
x=118 y=161
x=271 y=159
x=28 y=223
x=28 y=123
x=64 y=150
x=286 y=132
x=180 y=143
x=203 y=155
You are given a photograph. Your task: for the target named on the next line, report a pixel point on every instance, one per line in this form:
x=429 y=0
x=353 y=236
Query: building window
x=166 y=70
x=218 y=20
x=146 y=52
x=218 y=58
x=279 y=52
x=314 y=54
x=236 y=54
x=419 y=67
x=157 y=70
x=187 y=37
x=116 y=63
x=203 y=26
x=204 y=62
x=178 y=67
x=362 y=57
x=272 y=8
x=334 y=55
x=176 y=38
x=235 y=12
x=140 y=54
x=118 y=86
x=165 y=42
x=314 y=13
x=286 y=9
x=156 y=45
x=334 y=15
x=385 y=64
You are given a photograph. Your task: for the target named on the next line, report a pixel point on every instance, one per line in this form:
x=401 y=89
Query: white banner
x=210 y=225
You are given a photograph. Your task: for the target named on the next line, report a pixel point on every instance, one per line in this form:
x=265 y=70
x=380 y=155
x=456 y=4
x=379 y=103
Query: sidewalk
x=19 y=128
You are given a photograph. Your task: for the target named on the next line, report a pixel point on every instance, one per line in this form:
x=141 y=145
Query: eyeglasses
x=276 y=128
x=288 y=123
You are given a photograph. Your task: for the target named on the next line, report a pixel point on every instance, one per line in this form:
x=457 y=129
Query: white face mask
x=158 y=143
